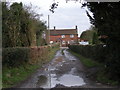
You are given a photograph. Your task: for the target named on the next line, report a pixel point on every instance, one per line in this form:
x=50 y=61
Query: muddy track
x=65 y=70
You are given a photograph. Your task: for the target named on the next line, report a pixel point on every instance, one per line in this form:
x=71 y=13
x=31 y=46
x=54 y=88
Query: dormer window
x=71 y=36
x=62 y=36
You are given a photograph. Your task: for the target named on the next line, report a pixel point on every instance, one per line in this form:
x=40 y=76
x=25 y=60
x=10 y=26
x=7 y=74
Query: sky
x=67 y=15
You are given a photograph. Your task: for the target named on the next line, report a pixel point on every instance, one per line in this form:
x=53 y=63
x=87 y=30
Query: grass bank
x=101 y=75
x=86 y=61
x=12 y=76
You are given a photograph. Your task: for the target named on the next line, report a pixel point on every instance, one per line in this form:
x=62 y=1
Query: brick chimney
x=54 y=27
x=54 y=30
x=76 y=27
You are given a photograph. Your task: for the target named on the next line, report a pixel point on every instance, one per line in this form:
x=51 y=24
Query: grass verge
x=101 y=75
x=86 y=61
x=12 y=76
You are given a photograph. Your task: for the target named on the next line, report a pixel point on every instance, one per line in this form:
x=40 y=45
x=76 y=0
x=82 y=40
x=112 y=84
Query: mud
x=65 y=70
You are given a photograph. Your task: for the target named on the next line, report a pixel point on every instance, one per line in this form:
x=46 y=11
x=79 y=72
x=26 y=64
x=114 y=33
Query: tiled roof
x=63 y=31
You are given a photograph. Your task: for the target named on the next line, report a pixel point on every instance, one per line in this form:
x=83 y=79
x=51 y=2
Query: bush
x=96 y=52
x=108 y=55
x=14 y=57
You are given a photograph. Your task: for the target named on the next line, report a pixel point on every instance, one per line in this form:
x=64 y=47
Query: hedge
x=96 y=52
x=13 y=57
x=109 y=57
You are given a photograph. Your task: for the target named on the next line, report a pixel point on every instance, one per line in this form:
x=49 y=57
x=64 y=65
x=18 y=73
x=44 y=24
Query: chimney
x=76 y=27
x=54 y=27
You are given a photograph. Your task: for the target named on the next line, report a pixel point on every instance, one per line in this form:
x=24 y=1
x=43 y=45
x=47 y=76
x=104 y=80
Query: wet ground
x=65 y=70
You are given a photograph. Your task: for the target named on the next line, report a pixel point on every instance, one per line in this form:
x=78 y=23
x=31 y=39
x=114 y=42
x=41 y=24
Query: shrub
x=108 y=55
x=96 y=52
x=14 y=57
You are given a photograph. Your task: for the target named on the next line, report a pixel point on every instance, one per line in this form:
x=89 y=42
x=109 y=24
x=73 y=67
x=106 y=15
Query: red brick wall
x=54 y=38
x=66 y=39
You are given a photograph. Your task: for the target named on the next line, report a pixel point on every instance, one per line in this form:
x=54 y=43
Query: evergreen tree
x=106 y=17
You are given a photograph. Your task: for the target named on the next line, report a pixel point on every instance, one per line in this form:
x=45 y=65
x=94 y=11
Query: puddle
x=67 y=80
x=71 y=80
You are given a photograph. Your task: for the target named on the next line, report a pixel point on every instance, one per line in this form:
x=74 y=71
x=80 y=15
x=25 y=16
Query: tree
x=90 y=35
x=6 y=41
x=20 y=26
x=106 y=19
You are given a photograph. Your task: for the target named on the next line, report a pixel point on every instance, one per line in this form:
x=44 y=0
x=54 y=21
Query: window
x=72 y=41
x=51 y=42
x=62 y=36
x=72 y=36
x=63 y=42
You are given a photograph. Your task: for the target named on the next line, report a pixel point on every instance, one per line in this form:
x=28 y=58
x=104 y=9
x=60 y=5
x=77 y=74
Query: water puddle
x=67 y=80
x=71 y=80
x=53 y=78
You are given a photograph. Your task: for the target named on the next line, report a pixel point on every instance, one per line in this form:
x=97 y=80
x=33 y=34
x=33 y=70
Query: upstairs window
x=71 y=36
x=62 y=36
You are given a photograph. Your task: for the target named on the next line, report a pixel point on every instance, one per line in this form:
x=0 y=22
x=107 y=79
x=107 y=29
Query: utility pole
x=49 y=43
x=48 y=29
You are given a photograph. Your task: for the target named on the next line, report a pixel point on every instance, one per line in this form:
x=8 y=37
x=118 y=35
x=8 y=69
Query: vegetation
x=92 y=56
x=90 y=35
x=20 y=26
x=106 y=20
x=22 y=31
x=86 y=61
x=14 y=57
x=95 y=52
x=14 y=75
x=100 y=75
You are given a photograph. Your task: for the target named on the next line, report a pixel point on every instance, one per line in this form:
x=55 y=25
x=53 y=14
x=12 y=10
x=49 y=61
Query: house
x=64 y=36
x=83 y=41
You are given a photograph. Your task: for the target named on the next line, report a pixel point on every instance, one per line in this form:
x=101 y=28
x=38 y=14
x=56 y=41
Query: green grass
x=86 y=61
x=12 y=76
x=52 y=53
x=101 y=76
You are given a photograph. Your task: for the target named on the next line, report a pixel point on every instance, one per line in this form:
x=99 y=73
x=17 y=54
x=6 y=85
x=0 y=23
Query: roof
x=63 y=31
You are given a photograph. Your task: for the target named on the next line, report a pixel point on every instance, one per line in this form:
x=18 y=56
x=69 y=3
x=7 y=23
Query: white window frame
x=62 y=36
x=71 y=36
x=63 y=42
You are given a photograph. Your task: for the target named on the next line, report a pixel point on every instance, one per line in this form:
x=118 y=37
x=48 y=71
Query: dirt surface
x=65 y=70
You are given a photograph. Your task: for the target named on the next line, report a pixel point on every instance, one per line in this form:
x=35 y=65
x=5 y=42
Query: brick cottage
x=64 y=36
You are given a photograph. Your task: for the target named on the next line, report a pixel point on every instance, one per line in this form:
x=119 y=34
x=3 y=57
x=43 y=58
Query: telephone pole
x=48 y=29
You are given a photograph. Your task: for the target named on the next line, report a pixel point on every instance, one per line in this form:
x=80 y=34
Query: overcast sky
x=67 y=15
